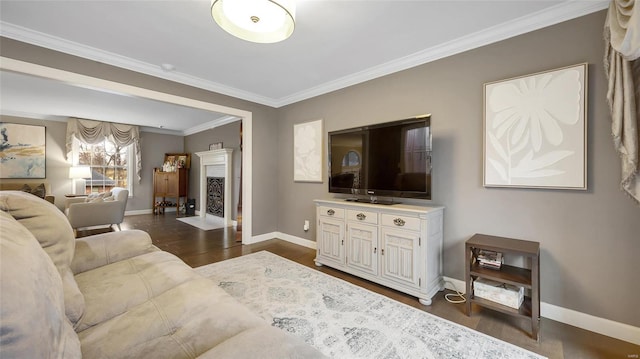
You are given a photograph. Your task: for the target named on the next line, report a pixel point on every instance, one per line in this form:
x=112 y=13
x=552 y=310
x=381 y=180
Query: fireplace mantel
x=216 y=158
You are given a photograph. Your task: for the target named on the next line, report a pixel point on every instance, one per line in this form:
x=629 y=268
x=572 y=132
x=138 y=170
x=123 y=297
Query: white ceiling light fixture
x=263 y=21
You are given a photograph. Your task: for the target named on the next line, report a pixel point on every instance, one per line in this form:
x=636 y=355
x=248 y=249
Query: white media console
x=398 y=246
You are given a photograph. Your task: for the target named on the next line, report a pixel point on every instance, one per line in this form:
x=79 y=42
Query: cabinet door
x=172 y=184
x=160 y=183
x=362 y=247
x=400 y=256
x=331 y=240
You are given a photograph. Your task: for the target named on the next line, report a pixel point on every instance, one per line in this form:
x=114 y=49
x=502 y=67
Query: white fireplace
x=216 y=163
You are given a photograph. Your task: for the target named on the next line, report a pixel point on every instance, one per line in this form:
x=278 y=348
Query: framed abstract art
x=22 y=151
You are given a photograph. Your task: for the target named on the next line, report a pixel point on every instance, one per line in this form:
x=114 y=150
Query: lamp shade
x=79 y=172
x=263 y=21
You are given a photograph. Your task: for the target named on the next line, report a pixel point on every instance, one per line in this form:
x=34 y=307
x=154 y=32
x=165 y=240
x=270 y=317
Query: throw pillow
x=39 y=191
x=101 y=195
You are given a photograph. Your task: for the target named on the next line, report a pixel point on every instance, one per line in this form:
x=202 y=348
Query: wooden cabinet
x=168 y=186
x=399 y=246
x=507 y=274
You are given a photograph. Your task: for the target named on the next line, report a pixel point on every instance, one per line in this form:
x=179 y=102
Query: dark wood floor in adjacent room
x=197 y=247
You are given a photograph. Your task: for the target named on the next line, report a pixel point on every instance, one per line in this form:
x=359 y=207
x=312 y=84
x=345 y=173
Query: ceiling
x=336 y=43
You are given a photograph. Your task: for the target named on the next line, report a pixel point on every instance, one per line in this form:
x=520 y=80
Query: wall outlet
x=306 y=225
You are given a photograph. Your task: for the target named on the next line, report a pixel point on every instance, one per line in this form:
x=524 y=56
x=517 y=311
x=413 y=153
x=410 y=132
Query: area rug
x=204 y=223
x=343 y=320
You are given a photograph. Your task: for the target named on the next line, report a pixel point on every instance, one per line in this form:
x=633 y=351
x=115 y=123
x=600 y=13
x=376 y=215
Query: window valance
x=622 y=67
x=93 y=132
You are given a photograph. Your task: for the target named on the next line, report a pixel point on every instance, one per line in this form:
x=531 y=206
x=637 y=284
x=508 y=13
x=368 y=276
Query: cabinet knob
x=375 y=250
x=331 y=212
x=361 y=216
x=399 y=222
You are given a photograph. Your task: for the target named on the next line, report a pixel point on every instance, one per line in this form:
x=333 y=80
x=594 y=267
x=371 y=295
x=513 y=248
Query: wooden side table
x=522 y=277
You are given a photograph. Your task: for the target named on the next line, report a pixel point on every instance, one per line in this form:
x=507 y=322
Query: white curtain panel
x=622 y=67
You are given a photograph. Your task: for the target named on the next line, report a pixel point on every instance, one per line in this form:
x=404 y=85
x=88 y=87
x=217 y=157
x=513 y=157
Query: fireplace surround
x=216 y=163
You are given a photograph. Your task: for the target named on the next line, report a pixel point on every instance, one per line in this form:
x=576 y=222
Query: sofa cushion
x=52 y=230
x=105 y=248
x=33 y=320
x=182 y=322
x=129 y=283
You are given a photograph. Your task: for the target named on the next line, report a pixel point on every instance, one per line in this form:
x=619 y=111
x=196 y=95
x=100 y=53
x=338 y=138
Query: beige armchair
x=105 y=209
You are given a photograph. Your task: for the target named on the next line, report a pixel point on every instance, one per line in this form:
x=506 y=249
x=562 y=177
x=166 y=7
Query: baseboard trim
x=285 y=237
x=603 y=326
x=297 y=240
x=610 y=328
x=261 y=238
x=137 y=212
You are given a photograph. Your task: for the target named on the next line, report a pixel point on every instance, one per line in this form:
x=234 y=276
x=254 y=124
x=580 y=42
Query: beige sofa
x=19 y=185
x=115 y=295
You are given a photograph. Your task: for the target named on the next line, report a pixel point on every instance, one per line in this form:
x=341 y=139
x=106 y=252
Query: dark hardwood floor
x=557 y=340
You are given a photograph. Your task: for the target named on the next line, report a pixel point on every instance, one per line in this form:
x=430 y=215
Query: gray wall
x=589 y=239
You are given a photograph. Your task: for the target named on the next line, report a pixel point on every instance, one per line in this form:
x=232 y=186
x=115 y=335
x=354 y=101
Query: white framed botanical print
x=535 y=130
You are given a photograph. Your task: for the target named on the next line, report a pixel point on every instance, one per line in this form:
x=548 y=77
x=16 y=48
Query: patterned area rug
x=343 y=320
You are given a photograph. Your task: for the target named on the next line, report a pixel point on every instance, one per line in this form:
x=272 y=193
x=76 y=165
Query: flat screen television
x=391 y=159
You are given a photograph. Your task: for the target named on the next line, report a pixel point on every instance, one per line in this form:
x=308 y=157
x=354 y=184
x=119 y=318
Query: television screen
x=391 y=159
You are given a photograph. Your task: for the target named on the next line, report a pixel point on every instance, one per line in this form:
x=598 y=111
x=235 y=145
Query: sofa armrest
x=87 y=214
x=73 y=200
x=102 y=249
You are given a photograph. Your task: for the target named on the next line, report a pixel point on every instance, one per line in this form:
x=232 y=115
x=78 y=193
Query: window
x=417 y=150
x=351 y=159
x=111 y=165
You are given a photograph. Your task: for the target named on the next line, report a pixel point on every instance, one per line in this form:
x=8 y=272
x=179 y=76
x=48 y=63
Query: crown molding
x=51 y=42
x=32 y=115
x=553 y=15
x=211 y=124
x=563 y=12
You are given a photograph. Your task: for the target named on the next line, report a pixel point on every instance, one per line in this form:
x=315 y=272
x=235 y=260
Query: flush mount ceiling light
x=263 y=21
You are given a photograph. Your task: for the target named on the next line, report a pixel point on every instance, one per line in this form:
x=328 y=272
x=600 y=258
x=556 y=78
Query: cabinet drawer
x=362 y=216
x=401 y=222
x=331 y=212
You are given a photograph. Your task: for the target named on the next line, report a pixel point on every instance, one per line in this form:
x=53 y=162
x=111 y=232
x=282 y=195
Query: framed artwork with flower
x=307 y=151
x=535 y=130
